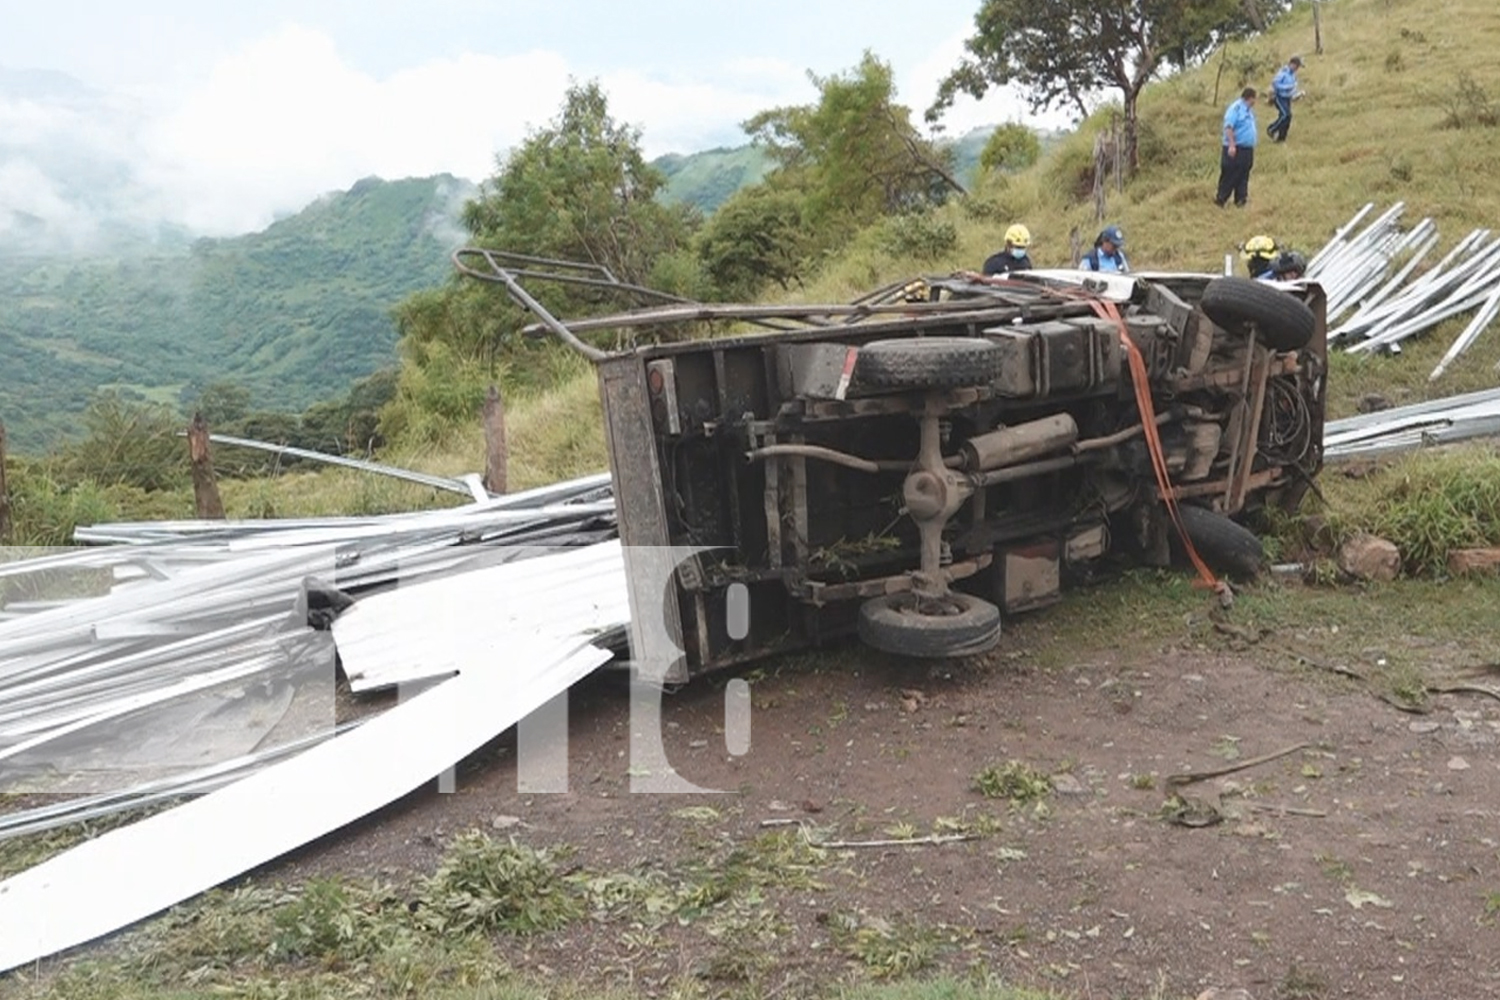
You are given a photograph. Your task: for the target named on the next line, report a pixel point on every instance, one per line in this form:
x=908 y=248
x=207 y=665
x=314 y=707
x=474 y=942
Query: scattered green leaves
x=1014 y=781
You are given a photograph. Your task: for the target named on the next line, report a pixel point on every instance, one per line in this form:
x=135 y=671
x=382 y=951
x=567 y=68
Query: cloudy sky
x=229 y=114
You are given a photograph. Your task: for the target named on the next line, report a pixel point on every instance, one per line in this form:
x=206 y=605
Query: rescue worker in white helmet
x=1014 y=256
x=1259 y=252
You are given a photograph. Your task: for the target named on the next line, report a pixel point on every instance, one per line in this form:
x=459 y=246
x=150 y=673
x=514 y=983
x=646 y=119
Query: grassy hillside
x=294 y=313
x=1370 y=129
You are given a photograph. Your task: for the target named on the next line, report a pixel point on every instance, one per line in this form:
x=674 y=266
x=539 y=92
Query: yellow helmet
x=1258 y=246
x=1018 y=236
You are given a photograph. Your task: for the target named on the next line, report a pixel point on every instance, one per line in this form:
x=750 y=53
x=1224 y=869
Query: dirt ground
x=1363 y=861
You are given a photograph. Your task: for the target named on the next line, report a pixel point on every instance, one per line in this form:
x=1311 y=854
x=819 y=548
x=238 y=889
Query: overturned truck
x=915 y=465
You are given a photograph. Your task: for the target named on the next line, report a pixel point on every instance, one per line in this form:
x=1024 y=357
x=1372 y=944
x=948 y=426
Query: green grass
x=552 y=436
x=1428 y=503
x=1146 y=611
x=435 y=935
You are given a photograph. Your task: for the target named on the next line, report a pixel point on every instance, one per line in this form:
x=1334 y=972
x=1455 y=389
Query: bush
x=1469 y=105
x=919 y=235
x=330 y=919
x=991 y=207
x=681 y=273
x=1151 y=147
x=443 y=392
x=128 y=442
x=44 y=510
x=756 y=238
x=1070 y=168
x=1012 y=146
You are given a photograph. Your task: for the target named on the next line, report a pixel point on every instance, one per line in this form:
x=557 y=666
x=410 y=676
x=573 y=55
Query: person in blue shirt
x=1289 y=266
x=1237 y=154
x=1108 y=253
x=1283 y=90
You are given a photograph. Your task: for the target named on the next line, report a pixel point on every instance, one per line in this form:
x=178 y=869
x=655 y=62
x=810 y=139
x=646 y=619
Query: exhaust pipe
x=1010 y=445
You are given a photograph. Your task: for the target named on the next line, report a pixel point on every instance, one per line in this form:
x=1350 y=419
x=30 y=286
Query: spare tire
x=1227 y=547
x=955 y=624
x=928 y=363
x=1240 y=305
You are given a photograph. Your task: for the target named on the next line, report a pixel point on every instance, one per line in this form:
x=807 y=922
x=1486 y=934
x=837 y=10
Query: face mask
x=1018 y=251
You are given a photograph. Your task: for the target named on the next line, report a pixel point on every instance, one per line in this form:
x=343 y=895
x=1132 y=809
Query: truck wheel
x=928 y=362
x=1226 y=546
x=1284 y=322
x=954 y=625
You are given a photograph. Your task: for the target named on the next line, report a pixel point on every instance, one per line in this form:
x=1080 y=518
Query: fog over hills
x=111 y=276
x=76 y=175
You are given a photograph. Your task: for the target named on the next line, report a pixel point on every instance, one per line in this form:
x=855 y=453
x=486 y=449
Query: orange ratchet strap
x=1206 y=578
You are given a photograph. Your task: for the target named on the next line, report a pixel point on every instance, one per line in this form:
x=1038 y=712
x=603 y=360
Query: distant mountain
x=707 y=179
x=294 y=313
x=966 y=149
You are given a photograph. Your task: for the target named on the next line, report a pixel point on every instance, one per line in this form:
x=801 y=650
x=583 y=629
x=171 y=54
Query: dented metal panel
x=508 y=664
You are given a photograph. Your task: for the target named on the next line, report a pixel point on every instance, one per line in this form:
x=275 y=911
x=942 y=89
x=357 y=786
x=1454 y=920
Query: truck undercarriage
x=919 y=463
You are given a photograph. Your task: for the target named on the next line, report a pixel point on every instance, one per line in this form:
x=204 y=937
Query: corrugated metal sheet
x=1405 y=428
x=516 y=643
x=417 y=632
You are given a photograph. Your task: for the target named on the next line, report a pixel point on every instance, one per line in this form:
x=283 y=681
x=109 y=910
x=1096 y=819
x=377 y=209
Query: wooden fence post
x=4 y=492
x=205 y=490
x=496 y=453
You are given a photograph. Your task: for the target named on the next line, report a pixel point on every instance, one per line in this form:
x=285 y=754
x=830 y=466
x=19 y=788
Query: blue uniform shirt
x=1240 y=117
x=1097 y=260
x=1284 y=84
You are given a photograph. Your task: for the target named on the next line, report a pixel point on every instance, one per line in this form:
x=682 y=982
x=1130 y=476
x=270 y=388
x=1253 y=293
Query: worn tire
x=928 y=363
x=1229 y=548
x=962 y=625
x=1283 y=321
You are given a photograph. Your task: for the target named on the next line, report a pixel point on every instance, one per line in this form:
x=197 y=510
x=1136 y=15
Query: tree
x=580 y=189
x=1060 y=51
x=1012 y=146
x=855 y=155
x=221 y=403
x=757 y=236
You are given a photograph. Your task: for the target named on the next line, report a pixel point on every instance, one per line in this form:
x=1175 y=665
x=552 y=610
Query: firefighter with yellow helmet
x=1259 y=253
x=1014 y=256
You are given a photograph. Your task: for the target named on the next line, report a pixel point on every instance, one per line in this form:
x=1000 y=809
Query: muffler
x=1010 y=445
